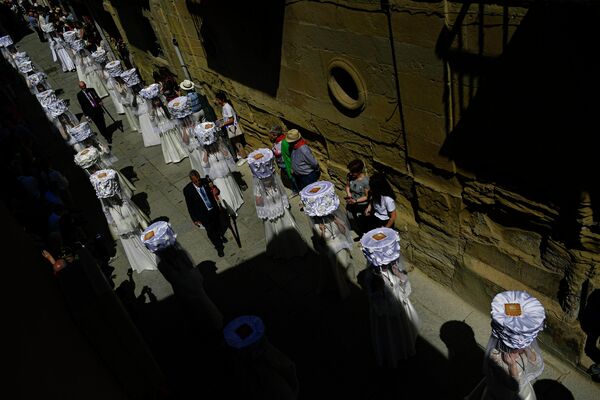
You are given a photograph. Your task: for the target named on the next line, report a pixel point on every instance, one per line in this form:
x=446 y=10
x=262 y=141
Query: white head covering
x=158 y=236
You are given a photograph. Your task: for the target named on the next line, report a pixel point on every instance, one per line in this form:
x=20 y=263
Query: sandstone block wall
x=468 y=232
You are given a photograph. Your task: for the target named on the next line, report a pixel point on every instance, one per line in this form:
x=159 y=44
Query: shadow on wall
x=529 y=125
x=242 y=40
x=137 y=27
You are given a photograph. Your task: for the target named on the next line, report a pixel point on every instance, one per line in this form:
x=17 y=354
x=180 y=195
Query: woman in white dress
x=129 y=103
x=93 y=74
x=394 y=320
x=331 y=235
x=113 y=90
x=170 y=134
x=125 y=220
x=61 y=52
x=513 y=359
x=147 y=119
x=180 y=108
x=176 y=265
x=218 y=164
x=284 y=241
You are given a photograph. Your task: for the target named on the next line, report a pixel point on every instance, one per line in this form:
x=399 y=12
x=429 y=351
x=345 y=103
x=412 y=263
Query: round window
x=346 y=86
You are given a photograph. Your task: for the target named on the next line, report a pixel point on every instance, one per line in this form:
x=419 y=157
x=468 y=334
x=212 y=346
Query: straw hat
x=292 y=136
x=187 y=85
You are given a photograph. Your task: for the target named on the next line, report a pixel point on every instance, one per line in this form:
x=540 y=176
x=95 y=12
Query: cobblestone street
x=328 y=340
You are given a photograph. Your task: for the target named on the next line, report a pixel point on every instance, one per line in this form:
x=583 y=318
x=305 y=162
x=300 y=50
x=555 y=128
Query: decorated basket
x=70 y=36
x=151 y=91
x=130 y=77
x=87 y=157
x=206 y=133
x=36 y=78
x=517 y=318
x=261 y=163
x=77 y=45
x=100 y=56
x=105 y=183
x=80 y=132
x=180 y=107
x=159 y=236
x=46 y=97
x=49 y=27
x=114 y=68
x=57 y=108
x=6 y=41
x=319 y=199
x=381 y=246
x=25 y=67
x=20 y=57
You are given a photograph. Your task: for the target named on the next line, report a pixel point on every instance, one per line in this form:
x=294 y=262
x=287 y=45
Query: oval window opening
x=346 y=87
x=345 y=81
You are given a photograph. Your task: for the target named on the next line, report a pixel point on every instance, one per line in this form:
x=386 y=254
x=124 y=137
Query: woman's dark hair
x=221 y=95
x=379 y=186
x=356 y=166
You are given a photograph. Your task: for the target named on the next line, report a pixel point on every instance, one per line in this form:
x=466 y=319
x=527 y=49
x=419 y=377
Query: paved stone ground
x=328 y=339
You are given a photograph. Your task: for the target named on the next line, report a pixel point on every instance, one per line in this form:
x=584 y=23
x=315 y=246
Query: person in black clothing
x=204 y=209
x=91 y=105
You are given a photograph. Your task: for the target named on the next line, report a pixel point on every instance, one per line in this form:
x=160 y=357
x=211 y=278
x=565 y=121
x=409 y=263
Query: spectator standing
x=304 y=166
x=232 y=127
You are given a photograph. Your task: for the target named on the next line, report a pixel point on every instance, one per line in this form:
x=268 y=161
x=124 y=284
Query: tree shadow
x=590 y=323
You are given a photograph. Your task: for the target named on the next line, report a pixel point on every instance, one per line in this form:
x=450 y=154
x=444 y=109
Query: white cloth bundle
x=46 y=98
x=77 y=45
x=37 y=78
x=57 y=108
x=25 y=67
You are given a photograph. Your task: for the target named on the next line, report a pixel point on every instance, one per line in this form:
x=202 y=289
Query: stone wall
x=469 y=229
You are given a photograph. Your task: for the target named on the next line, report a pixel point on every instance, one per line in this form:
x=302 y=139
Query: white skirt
x=96 y=82
x=196 y=162
x=140 y=258
x=284 y=241
x=65 y=60
x=149 y=131
x=172 y=148
x=115 y=99
x=131 y=118
x=230 y=192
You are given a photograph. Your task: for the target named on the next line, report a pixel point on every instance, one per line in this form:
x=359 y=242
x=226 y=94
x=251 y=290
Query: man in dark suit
x=204 y=209
x=91 y=105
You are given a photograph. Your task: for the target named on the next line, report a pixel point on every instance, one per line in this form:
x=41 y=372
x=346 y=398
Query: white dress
x=218 y=166
x=93 y=77
x=59 y=48
x=111 y=86
x=394 y=320
x=78 y=61
x=170 y=138
x=284 y=241
x=145 y=113
x=126 y=98
x=128 y=224
x=331 y=235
